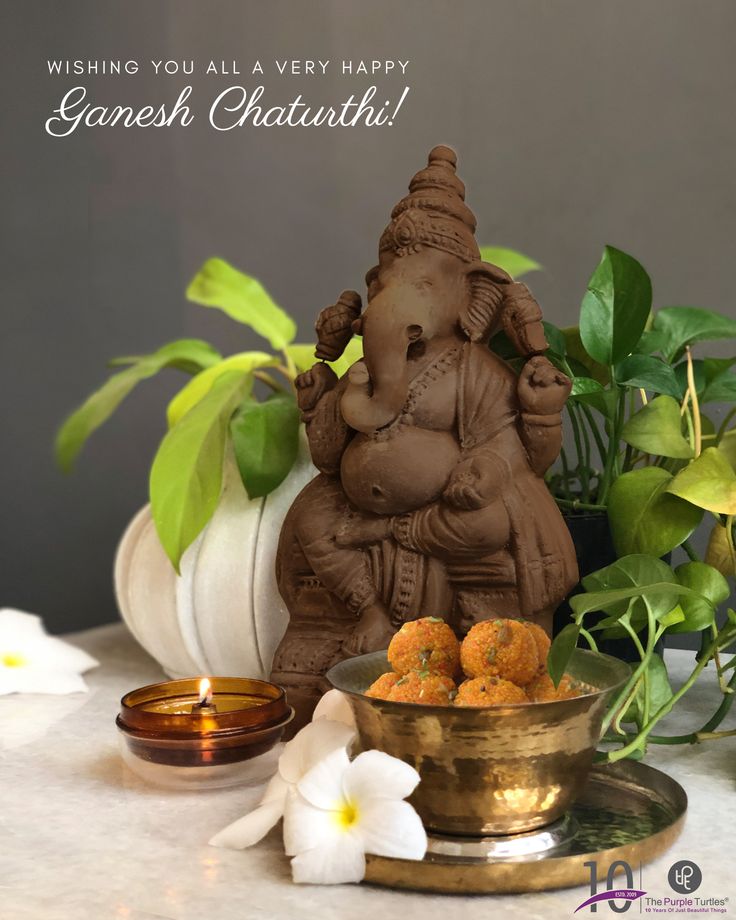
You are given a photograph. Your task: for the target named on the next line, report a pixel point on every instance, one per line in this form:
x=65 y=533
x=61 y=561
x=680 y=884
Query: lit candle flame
x=205 y=692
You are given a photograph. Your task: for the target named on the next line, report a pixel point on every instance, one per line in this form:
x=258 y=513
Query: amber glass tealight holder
x=203 y=732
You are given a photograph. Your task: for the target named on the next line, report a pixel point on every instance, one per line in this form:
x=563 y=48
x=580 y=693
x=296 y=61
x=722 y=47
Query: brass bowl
x=492 y=770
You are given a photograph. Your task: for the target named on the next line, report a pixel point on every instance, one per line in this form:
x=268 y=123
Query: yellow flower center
x=12 y=659
x=346 y=815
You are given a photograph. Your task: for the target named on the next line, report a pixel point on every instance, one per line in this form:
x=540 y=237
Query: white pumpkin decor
x=224 y=614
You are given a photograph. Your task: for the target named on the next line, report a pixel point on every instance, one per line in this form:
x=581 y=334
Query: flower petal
x=310 y=745
x=339 y=861
x=307 y=827
x=29 y=679
x=250 y=829
x=334 y=705
x=391 y=828
x=17 y=624
x=276 y=790
x=322 y=786
x=48 y=651
x=374 y=774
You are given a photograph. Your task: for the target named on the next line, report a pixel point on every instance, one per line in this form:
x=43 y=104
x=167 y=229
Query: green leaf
x=649 y=342
x=576 y=353
x=266 y=439
x=705 y=580
x=353 y=352
x=303 y=356
x=657 y=429
x=188 y=355
x=560 y=652
x=681 y=326
x=640 y=572
x=708 y=482
x=515 y=263
x=727 y=446
x=680 y=372
x=103 y=402
x=648 y=373
x=660 y=691
x=644 y=518
x=676 y=615
x=585 y=386
x=615 y=308
x=699 y=612
x=555 y=337
x=243 y=298
x=721 y=389
x=606 y=600
x=198 y=387
x=588 y=390
x=186 y=476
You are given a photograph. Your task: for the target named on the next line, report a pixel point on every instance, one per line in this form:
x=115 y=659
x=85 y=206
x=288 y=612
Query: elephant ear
x=480 y=317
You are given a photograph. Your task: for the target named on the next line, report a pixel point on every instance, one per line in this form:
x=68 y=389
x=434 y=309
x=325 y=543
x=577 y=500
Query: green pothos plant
x=219 y=409
x=647 y=454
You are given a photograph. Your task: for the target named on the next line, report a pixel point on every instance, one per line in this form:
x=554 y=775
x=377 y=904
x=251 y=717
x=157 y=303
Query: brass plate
x=627 y=811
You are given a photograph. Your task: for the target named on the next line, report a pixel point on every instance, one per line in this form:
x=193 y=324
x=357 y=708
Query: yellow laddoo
x=542 y=690
x=381 y=687
x=489 y=691
x=427 y=644
x=541 y=640
x=500 y=648
x=423 y=687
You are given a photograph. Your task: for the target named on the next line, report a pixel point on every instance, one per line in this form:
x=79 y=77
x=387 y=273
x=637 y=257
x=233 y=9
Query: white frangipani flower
x=310 y=745
x=32 y=661
x=344 y=810
x=334 y=705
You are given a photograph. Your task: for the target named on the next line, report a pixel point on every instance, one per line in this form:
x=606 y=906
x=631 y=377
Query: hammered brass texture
x=491 y=770
x=627 y=811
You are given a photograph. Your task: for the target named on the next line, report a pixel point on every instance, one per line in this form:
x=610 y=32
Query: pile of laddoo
x=500 y=661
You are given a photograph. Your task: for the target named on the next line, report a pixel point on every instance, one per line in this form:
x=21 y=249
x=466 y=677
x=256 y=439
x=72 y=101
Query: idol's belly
x=403 y=473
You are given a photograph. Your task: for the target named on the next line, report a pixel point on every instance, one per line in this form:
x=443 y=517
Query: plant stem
x=589 y=639
x=291 y=371
x=694 y=398
x=583 y=461
x=653 y=639
x=575 y=505
x=663 y=710
x=588 y=460
x=707 y=729
x=690 y=428
x=269 y=381
x=688 y=548
x=613 y=447
x=597 y=437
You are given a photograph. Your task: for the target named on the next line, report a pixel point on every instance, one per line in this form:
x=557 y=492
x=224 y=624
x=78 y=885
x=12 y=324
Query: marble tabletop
x=81 y=838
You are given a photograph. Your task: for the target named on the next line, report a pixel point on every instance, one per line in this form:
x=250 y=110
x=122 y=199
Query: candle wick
x=204 y=706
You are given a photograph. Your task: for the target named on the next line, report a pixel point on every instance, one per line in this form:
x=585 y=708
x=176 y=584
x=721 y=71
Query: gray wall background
x=578 y=122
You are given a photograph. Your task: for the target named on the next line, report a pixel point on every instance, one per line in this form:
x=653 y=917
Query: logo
x=685 y=876
x=627 y=893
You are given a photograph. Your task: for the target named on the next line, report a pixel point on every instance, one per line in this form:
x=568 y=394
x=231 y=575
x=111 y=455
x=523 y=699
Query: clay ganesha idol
x=430 y=499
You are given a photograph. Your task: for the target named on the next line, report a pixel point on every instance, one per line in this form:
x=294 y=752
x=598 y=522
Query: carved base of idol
x=432 y=451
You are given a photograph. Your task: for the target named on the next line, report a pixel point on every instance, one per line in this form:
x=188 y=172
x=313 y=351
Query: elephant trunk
x=377 y=390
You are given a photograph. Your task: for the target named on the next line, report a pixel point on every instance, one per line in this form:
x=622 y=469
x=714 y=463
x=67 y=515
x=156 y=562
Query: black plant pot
x=594 y=548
